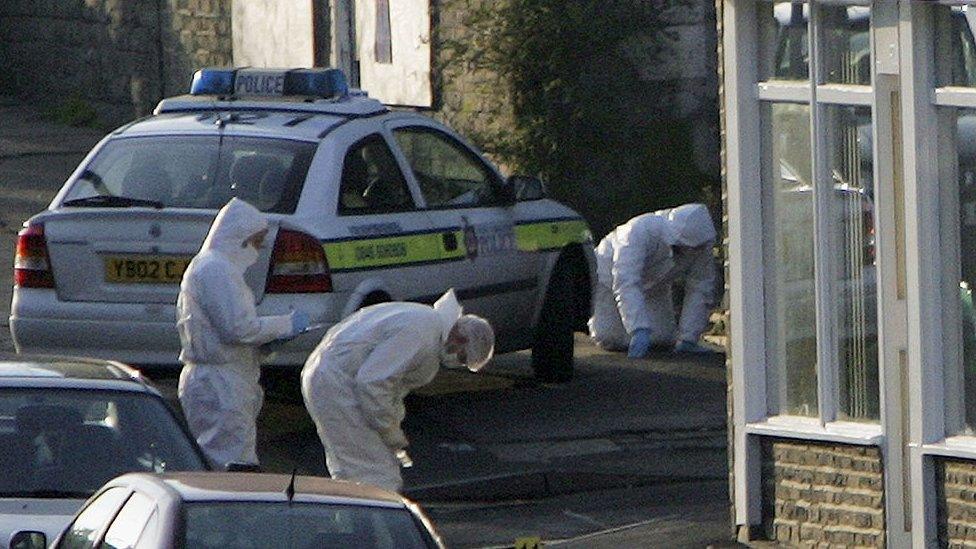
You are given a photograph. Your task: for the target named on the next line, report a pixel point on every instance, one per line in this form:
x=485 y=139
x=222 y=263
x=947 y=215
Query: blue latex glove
x=640 y=343
x=691 y=348
x=299 y=321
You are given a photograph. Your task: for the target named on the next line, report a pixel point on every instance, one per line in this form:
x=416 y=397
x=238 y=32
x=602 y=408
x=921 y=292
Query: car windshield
x=194 y=172
x=67 y=443
x=278 y=524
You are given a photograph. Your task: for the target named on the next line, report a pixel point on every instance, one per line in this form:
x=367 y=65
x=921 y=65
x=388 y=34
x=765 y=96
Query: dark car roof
x=43 y=371
x=194 y=486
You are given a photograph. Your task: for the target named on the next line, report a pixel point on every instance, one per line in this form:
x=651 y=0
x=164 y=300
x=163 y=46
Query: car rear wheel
x=552 y=349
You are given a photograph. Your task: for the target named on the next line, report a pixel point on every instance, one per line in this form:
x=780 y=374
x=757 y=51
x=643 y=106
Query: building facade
x=850 y=162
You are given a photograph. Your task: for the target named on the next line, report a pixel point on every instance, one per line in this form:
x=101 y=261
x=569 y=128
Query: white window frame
x=931 y=245
x=818 y=97
x=744 y=97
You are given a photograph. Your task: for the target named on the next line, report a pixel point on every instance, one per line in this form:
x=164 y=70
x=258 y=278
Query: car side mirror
x=527 y=187
x=28 y=539
x=505 y=193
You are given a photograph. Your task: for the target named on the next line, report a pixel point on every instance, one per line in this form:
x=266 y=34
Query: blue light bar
x=316 y=82
x=327 y=83
x=213 y=81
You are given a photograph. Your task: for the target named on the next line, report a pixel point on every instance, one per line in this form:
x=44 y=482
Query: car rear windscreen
x=223 y=524
x=198 y=171
x=67 y=443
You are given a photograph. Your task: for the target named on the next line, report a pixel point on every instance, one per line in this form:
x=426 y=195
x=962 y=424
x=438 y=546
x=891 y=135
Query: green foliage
x=74 y=111
x=583 y=118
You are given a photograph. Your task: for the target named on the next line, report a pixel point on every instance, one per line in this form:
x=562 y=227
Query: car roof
x=288 y=117
x=68 y=372
x=266 y=123
x=221 y=486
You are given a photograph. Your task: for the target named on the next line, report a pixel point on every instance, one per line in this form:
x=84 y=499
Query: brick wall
x=815 y=493
x=116 y=56
x=956 y=483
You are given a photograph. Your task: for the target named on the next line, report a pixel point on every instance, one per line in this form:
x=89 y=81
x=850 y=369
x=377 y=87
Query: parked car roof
x=41 y=370
x=221 y=486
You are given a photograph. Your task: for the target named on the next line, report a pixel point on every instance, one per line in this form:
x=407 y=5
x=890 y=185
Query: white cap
x=480 y=338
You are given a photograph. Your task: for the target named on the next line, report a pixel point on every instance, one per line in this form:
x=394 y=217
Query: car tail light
x=298 y=265
x=32 y=269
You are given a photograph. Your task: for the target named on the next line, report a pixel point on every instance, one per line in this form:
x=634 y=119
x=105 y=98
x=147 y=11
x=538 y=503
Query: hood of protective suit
x=690 y=225
x=235 y=223
x=449 y=311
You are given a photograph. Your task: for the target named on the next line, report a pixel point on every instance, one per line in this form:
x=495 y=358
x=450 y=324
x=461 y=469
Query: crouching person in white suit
x=637 y=265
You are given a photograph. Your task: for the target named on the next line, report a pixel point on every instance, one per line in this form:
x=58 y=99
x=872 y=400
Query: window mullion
x=823 y=262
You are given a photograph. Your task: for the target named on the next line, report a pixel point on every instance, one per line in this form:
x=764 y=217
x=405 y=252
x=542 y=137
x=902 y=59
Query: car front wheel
x=552 y=349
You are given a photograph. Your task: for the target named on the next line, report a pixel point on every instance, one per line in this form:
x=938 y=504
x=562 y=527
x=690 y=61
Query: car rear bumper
x=139 y=333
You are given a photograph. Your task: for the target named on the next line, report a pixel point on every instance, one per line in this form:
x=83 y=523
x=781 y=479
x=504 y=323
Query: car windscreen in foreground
x=279 y=524
x=194 y=172
x=67 y=443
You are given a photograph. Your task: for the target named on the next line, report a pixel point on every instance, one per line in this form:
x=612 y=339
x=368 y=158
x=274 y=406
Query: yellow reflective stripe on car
x=393 y=250
x=551 y=235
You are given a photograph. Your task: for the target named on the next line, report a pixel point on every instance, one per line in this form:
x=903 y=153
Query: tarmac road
x=629 y=454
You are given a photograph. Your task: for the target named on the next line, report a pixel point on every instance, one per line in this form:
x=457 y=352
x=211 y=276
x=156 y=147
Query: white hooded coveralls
x=636 y=267
x=355 y=381
x=220 y=332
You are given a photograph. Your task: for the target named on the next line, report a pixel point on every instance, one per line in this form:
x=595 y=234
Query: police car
x=366 y=204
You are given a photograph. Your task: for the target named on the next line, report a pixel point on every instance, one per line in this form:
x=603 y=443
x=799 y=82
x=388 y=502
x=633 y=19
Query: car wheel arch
x=368 y=292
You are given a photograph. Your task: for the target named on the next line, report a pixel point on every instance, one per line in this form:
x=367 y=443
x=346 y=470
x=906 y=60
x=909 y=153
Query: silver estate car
x=69 y=425
x=243 y=510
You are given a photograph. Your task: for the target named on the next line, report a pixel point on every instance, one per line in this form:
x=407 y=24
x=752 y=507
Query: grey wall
x=117 y=56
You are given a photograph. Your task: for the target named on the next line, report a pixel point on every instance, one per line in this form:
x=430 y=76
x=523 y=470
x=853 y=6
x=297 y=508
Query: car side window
x=84 y=531
x=371 y=180
x=448 y=173
x=131 y=523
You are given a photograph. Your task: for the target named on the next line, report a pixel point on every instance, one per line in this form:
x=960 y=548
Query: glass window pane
x=128 y=525
x=784 y=52
x=955 y=47
x=74 y=441
x=960 y=315
x=83 y=533
x=277 y=524
x=851 y=240
x=790 y=298
x=449 y=175
x=372 y=181
x=845 y=48
x=199 y=171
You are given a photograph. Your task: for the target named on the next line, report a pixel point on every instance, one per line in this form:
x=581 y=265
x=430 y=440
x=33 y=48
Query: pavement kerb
x=540 y=484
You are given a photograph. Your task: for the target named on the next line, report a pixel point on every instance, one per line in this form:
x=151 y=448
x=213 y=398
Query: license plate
x=145 y=269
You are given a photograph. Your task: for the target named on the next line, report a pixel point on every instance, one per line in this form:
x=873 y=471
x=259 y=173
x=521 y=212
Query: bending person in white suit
x=355 y=381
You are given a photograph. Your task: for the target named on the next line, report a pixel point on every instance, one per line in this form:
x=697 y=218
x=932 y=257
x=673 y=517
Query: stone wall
x=116 y=56
x=956 y=482
x=817 y=493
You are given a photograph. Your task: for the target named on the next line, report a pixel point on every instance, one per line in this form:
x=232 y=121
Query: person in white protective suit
x=637 y=264
x=220 y=332
x=355 y=381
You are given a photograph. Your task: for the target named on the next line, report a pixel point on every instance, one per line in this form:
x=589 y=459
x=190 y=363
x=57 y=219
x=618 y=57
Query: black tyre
x=552 y=349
